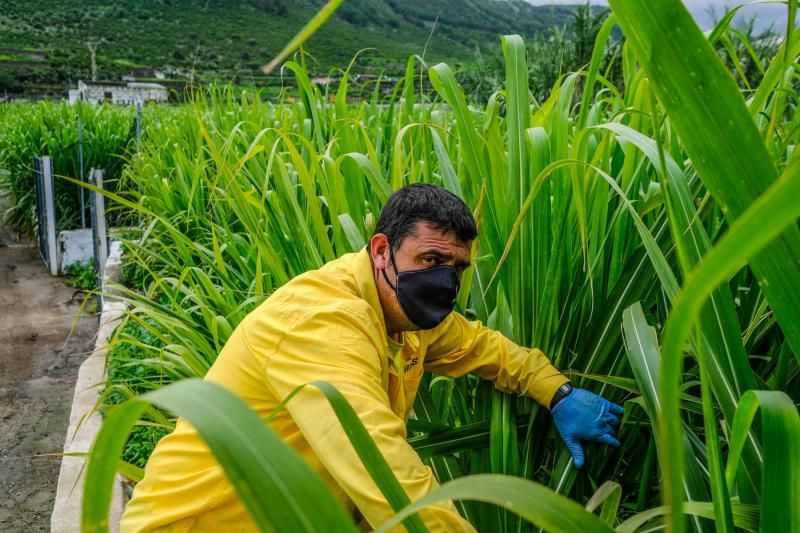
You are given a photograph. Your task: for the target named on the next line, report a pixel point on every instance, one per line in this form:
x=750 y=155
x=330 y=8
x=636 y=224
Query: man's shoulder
x=332 y=282
x=323 y=293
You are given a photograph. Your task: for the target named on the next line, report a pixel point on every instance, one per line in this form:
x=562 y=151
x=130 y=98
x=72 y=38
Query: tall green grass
x=51 y=128
x=600 y=210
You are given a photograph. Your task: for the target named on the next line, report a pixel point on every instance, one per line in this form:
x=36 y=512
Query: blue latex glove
x=585 y=416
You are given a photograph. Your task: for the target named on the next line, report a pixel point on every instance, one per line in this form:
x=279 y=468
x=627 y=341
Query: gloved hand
x=585 y=416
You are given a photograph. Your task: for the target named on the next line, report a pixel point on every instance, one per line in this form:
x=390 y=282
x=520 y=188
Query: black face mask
x=428 y=295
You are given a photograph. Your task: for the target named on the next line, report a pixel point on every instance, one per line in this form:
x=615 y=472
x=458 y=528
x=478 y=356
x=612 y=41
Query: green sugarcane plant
x=595 y=208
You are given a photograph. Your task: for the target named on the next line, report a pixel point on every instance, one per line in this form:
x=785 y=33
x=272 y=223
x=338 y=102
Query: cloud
x=706 y=12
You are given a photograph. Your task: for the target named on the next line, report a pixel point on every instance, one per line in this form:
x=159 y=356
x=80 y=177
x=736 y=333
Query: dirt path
x=37 y=379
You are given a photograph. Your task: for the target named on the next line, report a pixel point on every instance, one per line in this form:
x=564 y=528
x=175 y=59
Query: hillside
x=44 y=42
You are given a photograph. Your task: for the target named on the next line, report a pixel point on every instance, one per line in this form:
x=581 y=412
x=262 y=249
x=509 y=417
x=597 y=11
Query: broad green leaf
x=533 y=502
x=780 y=492
x=307 y=31
x=744 y=516
x=594 y=68
x=767 y=217
x=642 y=349
x=608 y=495
x=354 y=236
x=370 y=455
x=256 y=461
x=709 y=114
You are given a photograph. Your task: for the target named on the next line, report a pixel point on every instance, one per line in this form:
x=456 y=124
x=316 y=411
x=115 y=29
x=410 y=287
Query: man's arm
x=459 y=347
x=335 y=347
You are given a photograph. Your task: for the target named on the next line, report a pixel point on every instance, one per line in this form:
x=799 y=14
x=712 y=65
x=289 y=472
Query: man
x=369 y=323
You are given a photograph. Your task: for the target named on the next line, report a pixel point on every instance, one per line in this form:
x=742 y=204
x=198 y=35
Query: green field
x=231 y=41
x=641 y=231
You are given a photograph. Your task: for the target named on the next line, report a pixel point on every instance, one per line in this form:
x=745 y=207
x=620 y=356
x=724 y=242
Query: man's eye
x=431 y=260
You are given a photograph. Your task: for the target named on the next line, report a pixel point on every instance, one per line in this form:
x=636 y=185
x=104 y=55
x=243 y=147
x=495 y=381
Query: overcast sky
x=765 y=15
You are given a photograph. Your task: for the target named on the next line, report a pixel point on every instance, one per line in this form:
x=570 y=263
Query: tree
x=7 y=81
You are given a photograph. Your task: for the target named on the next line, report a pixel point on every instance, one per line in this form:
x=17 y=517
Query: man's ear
x=379 y=250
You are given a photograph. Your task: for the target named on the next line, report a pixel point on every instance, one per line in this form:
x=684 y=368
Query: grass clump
x=81 y=275
x=594 y=207
x=49 y=128
x=129 y=373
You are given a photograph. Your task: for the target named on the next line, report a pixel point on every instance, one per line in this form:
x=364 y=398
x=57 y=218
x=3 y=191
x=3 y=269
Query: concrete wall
x=124 y=94
x=74 y=246
x=84 y=423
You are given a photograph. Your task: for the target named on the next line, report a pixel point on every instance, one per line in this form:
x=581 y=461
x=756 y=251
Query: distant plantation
x=228 y=41
x=637 y=222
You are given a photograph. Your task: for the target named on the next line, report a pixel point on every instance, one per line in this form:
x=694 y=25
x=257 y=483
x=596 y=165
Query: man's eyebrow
x=441 y=254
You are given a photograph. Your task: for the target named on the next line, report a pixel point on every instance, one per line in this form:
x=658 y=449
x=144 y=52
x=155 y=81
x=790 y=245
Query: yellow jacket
x=328 y=325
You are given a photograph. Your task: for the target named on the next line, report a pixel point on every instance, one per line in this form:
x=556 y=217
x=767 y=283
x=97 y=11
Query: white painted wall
x=122 y=93
x=75 y=247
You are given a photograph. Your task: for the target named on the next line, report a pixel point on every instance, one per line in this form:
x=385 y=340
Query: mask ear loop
x=394 y=266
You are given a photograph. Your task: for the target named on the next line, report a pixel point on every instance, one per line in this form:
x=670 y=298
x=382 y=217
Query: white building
x=124 y=93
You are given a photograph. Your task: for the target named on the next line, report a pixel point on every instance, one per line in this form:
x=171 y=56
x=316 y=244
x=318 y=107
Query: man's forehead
x=427 y=235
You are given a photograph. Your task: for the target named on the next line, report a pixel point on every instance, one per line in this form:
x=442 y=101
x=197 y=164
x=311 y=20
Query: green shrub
x=82 y=275
x=48 y=128
x=594 y=207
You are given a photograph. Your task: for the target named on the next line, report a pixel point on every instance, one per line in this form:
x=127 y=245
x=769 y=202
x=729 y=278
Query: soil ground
x=38 y=369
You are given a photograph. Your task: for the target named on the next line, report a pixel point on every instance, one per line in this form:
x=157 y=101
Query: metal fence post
x=138 y=127
x=50 y=214
x=41 y=223
x=80 y=160
x=99 y=232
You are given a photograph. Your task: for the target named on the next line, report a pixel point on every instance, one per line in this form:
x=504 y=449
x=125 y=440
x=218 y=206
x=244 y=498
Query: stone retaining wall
x=82 y=428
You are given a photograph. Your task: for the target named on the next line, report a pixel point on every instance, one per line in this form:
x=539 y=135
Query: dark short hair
x=429 y=203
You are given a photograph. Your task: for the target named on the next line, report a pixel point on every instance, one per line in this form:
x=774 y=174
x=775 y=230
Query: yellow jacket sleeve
x=458 y=347
x=337 y=346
